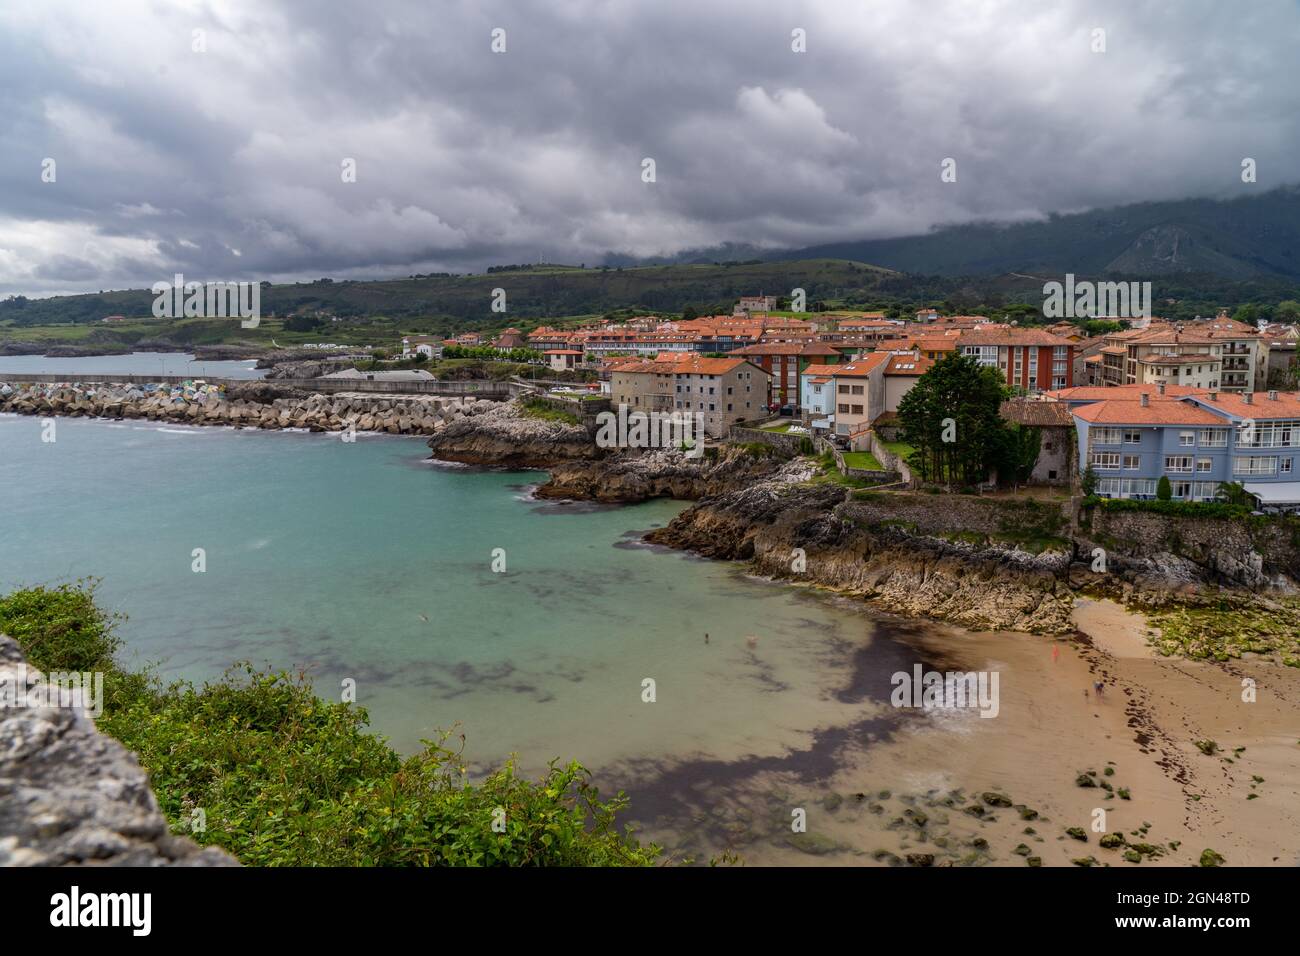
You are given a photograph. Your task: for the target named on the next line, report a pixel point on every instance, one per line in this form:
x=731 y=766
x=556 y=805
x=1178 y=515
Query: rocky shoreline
x=981 y=563
x=202 y=353
x=249 y=405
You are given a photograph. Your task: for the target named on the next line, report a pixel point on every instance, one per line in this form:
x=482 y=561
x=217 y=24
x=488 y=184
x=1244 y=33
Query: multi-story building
x=1031 y=359
x=817 y=396
x=1219 y=354
x=510 y=339
x=1197 y=440
x=427 y=345
x=749 y=304
x=859 y=388
x=1281 y=340
x=783 y=361
x=720 y=391
x=854 y=395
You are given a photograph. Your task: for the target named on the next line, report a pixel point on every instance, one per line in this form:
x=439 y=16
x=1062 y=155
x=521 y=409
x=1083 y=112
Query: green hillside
x=1233 y=239
x=532 y=294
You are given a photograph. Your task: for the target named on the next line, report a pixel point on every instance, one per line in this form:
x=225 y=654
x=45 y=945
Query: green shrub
x=1164 y=490
x=285 y=778
x=1180 y=509
x=538 y=408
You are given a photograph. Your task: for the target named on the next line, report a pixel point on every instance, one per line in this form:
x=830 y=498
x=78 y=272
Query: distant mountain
x=1232 y=239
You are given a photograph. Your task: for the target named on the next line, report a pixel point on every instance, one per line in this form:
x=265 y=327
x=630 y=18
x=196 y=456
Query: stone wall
x=891 y=461
x=70 y=795
x=1255 y=553
x=786 y=444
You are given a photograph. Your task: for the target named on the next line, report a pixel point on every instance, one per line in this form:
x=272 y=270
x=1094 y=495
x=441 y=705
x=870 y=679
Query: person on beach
x=706 y=637
x=1056 y=653
x=1097 y=686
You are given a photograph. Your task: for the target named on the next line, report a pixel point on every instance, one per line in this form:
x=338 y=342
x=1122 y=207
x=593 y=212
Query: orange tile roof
x=785 y=348
x=687 y=363
x=1261 y=407
x=1187 y=358
x=820 y=370
x=1010 y=336
x=1097 y=393
x=908 y=365
x=864 y=366
x=1128 y=412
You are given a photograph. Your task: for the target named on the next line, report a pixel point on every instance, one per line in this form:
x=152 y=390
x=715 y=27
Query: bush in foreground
x=285 y=778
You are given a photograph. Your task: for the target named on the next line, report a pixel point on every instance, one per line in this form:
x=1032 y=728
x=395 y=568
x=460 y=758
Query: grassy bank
x=284 y=778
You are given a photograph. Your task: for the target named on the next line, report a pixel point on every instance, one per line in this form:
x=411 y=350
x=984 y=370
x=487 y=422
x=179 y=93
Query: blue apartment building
x=1197 y=439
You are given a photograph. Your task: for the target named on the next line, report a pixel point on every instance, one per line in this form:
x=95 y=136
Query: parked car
x=787 y=410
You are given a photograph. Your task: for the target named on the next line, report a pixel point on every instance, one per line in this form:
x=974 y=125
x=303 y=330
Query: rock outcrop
x=253 y=404
x=661 y=473
x=808 y=533
x=501 y=435
x=70 y=795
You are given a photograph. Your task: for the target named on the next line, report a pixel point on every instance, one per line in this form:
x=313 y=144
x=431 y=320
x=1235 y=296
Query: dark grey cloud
x=226 y=163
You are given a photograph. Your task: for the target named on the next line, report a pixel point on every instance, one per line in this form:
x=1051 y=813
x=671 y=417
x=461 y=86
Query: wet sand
x=913 y=782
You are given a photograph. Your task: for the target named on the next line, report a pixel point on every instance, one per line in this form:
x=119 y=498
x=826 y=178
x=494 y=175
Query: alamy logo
x=1088 y=300
x=72 y=689
x=680 y=430
x=211 y=300
x=103 y=909
x=953 y=690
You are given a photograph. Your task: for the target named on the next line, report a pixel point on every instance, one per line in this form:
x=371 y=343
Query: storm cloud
x=210 y=137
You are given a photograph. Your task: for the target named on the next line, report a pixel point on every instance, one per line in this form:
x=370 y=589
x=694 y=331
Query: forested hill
x=531 y=292
x=1241 y=238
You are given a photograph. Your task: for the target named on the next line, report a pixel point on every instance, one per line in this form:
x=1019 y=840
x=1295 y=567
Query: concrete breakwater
x=250 y=405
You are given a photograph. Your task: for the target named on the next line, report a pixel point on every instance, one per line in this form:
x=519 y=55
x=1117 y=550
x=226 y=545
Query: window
x=1105 y=459
x=1178 y=464
x=1204 y=464
x=843 y=408
x=1132 y=436
x=817 y=389
x=1254 y=465
x=1106 y=436
x=1126 y=487
x=857 y=390
x=1213 y=438
x=1132 y=462
x=844 y=390
x=1286 y=466
x=857 y=409
x=1187 y=439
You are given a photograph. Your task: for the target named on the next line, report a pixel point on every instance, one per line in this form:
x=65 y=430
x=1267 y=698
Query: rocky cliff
x=500 y=435
x=252 y=404
x=70 y=795
x=661 y=473
x=811 y=534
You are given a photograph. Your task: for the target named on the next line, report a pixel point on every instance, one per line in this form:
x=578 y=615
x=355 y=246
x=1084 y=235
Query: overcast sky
x=226 y=162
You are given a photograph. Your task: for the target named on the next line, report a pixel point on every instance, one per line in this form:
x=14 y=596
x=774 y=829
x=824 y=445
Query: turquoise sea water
x=365 y=561
x=135 y=363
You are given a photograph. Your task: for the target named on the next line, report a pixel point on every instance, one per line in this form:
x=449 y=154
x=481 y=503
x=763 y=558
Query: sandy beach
x=944 y=787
